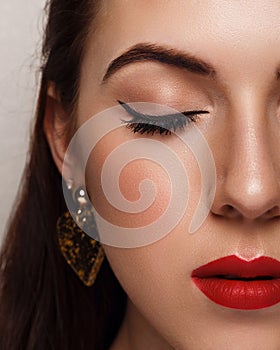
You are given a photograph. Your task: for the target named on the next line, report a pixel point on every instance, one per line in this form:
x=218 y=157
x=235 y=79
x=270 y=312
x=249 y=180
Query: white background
x=21 y=23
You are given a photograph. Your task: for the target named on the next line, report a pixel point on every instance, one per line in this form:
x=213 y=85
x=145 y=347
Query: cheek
x=137 y=192
x=136 y=196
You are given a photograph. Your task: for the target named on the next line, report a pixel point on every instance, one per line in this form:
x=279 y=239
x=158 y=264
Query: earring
x=83 y=253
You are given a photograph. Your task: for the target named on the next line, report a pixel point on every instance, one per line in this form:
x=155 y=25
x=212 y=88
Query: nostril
x=273 y=213
x=230 y=211
x=227 y=210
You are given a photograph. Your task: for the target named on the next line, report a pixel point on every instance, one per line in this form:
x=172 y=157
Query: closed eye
x=162 y=124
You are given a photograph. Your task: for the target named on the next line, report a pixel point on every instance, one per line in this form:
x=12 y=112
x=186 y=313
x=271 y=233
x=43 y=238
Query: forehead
x=237 y=37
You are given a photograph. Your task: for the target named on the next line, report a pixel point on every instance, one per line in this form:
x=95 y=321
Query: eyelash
x=161 y=124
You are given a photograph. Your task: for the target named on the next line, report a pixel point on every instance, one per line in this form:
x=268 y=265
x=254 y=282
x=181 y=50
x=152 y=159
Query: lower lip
x=238 y=294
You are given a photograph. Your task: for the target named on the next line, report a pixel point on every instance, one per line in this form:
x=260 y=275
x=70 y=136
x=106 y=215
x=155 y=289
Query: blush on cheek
x=142 y=184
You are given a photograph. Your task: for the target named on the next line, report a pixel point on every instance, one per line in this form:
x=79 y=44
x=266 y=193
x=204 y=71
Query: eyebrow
x=154 y=52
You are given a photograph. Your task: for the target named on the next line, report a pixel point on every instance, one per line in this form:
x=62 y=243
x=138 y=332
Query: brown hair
x=44 y=305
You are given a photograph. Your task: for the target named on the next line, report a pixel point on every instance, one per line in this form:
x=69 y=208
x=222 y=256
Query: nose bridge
x=250 y=186
x=249 y=136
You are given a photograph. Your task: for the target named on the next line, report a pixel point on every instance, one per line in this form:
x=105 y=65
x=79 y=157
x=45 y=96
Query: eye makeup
x=159 y=124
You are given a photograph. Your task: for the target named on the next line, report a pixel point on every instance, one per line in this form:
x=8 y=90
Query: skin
x=241 y=40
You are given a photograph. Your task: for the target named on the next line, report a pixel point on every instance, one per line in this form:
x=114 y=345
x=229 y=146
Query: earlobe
x=55 y=124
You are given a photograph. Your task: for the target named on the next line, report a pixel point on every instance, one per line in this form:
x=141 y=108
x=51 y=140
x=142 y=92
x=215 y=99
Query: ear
x=55 y=123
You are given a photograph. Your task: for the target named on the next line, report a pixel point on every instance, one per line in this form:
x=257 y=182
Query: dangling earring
x=83 y=253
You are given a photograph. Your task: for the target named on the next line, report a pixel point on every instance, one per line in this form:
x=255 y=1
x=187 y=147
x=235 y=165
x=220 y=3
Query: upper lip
x=234 y=267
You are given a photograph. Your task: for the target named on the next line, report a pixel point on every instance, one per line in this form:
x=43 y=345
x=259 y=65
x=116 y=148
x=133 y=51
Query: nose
x=248 y=179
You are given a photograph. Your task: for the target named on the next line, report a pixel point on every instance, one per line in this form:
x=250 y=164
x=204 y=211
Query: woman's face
x=239 y=41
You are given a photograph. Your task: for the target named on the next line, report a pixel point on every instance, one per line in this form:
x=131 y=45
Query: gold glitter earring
x=83 y=253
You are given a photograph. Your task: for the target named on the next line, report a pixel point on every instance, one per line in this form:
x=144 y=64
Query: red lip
x=240 y=284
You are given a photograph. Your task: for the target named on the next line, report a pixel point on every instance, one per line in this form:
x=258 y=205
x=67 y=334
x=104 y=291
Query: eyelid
x=133 y=112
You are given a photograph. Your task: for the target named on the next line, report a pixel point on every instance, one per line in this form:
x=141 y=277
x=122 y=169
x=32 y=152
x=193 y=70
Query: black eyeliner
x=162 y=124
x=133 y=112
